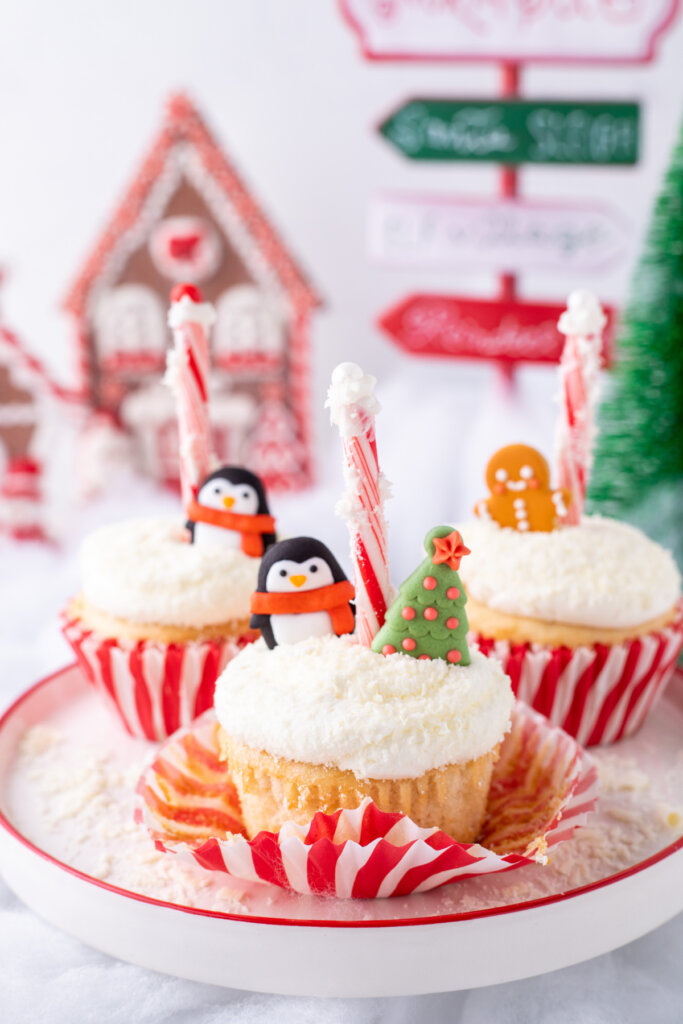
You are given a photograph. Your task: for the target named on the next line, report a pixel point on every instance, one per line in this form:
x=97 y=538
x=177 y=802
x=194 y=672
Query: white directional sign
x=500 y=235
x=520 y=30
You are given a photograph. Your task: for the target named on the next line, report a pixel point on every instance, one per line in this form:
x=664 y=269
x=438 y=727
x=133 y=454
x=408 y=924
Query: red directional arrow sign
x=465 y=328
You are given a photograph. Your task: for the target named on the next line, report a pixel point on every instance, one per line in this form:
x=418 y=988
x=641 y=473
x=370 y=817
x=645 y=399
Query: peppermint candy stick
x=353 y=407
x=582 y=323
x=187 y=374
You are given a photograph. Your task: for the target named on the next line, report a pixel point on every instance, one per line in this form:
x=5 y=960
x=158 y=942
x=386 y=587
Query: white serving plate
x=288 y=944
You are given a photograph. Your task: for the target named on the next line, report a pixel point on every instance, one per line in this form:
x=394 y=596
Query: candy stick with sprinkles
x=187 y=375
x=582 y=323
x=353 y=407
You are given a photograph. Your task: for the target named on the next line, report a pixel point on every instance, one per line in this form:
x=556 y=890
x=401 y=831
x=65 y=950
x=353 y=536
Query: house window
x=130 y=326
x=250 y=325
x=185 y=249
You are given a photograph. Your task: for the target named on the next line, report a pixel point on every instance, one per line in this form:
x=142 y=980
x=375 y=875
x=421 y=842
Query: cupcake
x=163 y=608
x=586 y=619
x=312 y=720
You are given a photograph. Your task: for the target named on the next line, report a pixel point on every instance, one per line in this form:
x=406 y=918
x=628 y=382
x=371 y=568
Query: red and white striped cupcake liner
x=597 y=694
x=153 y=688
x=544 y=786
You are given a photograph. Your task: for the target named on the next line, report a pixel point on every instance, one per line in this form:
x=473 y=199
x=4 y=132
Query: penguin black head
x=299 y=557
x=234 y=489
x=297 y=566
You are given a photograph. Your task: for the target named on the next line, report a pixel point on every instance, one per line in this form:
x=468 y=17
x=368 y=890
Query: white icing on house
x=249 y=324
x=129 y=319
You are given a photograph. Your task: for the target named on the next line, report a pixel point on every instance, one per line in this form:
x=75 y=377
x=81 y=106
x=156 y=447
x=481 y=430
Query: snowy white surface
x=50 y=977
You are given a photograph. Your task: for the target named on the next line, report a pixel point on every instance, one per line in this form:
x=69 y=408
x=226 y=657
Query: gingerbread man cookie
x=521 y=497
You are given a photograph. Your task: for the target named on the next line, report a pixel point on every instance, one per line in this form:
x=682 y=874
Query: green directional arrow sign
x=516 y=131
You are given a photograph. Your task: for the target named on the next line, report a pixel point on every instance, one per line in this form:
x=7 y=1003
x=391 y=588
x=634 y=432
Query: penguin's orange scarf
x=333 y=598
x=251 y=528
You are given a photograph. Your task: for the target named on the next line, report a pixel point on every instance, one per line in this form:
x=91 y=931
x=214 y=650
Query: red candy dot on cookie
x=408 y=644
x=429 y=583
x=431 y=614
x=423 y=657
x=408 y=613
x=452 y=623
x=454 y=656
x=453 y=593
x=388 y=649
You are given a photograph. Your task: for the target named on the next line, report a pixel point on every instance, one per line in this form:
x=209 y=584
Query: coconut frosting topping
x=331 y=701
x=601 y=573
x=144 y=570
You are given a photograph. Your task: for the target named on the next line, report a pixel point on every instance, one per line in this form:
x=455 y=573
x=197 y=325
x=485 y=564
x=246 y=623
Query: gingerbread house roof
x=184 y=126
x=28 y=369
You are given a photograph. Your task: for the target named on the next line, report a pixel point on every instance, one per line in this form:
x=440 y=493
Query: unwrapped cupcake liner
x=154 y=688
x=544 y=786
x=598 y=694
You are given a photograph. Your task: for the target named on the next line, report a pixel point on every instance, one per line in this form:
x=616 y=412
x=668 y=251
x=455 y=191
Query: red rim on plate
x=322 y=922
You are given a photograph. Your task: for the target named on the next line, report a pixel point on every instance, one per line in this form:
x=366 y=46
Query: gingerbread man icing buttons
x=521 y=497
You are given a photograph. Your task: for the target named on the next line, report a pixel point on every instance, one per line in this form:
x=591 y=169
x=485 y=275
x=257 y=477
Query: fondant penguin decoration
x=302 y=593
x=231 y=511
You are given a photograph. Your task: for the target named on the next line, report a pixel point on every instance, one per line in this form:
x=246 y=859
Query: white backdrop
x=286 y=90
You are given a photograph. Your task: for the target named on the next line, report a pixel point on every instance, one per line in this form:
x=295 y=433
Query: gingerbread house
x=188 y=216
x=28 y=410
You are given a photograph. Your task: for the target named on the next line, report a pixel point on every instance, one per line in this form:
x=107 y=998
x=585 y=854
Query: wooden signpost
x=499 y=234
x=516 y=131
x=604 y=31
x=506 y=234
x=509 y=332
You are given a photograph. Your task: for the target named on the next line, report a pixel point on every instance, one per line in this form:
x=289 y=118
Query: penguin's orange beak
x=228 y=502
x=298 y=581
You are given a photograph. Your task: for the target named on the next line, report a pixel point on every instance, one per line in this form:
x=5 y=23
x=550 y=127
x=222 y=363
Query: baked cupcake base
x=155 y=679
x=519 y=629
x=597 y=692
x=543 y=786
x=273 y=790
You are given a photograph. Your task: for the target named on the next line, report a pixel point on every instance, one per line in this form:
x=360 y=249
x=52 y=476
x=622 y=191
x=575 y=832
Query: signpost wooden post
x=506 y=234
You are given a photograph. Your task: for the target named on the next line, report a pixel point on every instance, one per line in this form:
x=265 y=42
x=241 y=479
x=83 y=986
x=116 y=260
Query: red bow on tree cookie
x=449 y=549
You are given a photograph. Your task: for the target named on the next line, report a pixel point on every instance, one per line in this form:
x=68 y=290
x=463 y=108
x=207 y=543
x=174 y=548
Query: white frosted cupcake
x=159 y=616
x=585 y=619
x=321 y=724
x=312 y=720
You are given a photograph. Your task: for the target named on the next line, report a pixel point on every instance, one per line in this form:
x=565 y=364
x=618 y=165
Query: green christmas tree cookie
x=428 y=619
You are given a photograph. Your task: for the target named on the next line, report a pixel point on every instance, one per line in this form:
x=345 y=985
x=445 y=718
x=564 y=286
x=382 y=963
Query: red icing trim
x=181 y=290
